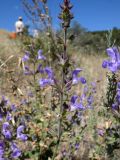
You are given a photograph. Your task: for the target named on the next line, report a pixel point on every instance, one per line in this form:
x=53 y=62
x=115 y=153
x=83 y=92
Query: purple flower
x=118 y=97
x=90 y=100
x=80 y=106
x=77 y=79
x=104 y=64
x=9 y=116
x=74 y=105
x=49 y=72
x=40 y=56
x=76 y=71
x=27 y=71
x=20 y=135
x=1 y=117
x=118 y=85
x=85 y=90
x=2 y=149
x=5 y=130
x=82 y=80
x=44 y=82
x=113 y=64
x=49 y=80
x=75 y=75
x=101 y=132
x=13 y=107
x=39 y=69
x=27 y=68
x=1 y=158
x=26 y=57
x=82 y=97
x=74 y=98
x=77 y=145
x=113 y=53
x=118 y=93
x=115 y=106
x=15 y=151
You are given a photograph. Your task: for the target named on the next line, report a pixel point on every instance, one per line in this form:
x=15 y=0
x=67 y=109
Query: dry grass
x=10 y=51
x=8 y=46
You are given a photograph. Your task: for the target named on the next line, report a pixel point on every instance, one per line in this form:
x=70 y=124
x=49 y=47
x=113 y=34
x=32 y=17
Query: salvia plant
x=13 y=130
x=66 y=109
x=112 y=101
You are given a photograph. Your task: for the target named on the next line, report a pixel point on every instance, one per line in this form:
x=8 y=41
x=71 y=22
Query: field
x=59 y=93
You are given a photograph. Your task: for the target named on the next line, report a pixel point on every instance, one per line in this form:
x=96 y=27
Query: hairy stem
x=64 y=56
x=63 y=84
x=34 y=79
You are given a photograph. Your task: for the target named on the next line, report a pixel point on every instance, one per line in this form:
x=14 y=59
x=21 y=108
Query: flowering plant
x=12 y=131
x=112 y=101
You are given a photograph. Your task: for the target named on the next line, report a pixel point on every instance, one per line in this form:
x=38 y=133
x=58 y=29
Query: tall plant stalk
x=62 y=87
x=66 y=17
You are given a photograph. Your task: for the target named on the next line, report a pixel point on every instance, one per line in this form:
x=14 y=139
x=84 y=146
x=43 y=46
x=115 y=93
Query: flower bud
x=65 y=14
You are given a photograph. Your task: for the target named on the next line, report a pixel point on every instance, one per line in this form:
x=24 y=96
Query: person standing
x=19 y=26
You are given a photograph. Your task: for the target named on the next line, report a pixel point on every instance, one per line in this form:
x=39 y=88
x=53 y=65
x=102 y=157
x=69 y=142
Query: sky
x=91 y=14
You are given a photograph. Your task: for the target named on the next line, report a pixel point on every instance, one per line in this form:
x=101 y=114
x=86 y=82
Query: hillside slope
x=8 y=46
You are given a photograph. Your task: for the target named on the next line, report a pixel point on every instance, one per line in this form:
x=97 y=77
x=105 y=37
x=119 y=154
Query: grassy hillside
x=11 y=50
x=8 y=46
x=13 y=47
x=10 y=53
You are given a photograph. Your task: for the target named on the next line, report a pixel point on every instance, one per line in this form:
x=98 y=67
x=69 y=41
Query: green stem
x=34 y=79
x=62 y=93
x=61 y=96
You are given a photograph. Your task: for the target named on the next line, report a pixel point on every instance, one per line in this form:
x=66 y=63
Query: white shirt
x=19 y=26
